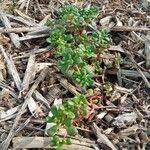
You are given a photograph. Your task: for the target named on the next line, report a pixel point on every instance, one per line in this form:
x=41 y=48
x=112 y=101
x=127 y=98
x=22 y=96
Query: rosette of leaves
x=74 y=16
x=63 y=117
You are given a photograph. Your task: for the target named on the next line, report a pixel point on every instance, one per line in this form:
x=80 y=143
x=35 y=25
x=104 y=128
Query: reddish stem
x=92 y=106
x=78 y=120
x=91 y=98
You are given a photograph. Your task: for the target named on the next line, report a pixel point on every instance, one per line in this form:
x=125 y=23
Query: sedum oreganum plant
x=63 y=116
x=77 y=42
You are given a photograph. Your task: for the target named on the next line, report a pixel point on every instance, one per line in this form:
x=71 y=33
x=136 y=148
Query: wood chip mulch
x=30 y=81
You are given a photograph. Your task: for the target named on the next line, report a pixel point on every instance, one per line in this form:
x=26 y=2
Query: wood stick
x=102 y=139
x=40 y=97
x=68 y=86
x=24 y=29
x=29 y=72
x=128 y=28
x=34 y=51
x=31 y=29
x=129 y=73
x=44 y=142
x=37 y=81
x=21 y=20
x=29 y=37
x=18 y=30
x=147 y=83
x=147 y=53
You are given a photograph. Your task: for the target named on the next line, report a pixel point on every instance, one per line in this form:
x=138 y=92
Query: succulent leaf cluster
x=63 y=116
x=75 y=43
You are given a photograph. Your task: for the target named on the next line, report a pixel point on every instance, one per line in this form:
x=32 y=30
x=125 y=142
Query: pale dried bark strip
x=128 y=28
x=21 y=20
x=147 y=53
x=68 y=86
x=129 y=73
x=102 y=139
x=45 y=29
x=44 y=142
x=34 y=51
x=28 y=73
x=29 y=37
x=12 y=69
x=9 y=112
x=40 y=97
x=19 y=29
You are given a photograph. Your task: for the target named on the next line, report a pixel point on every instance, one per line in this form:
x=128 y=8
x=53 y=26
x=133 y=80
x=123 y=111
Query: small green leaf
x=59 y=148
x=68 y=121
x=71 y=130
x=107 y=88
x=55 y=141
x=68 y=141
x=61 y=107
x=71 y=103
x=48 y=40
x=84 y=109
x=52 y=131
x=71 y=115
x=54 y=110
x=50 y=119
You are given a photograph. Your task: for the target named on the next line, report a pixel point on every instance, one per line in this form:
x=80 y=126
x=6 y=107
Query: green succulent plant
x=63 y=117
x=75 y=47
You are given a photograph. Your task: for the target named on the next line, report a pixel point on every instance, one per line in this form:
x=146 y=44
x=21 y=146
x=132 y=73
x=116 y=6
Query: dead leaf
x=125 y=119
x=4 y=40
x=32 y=105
